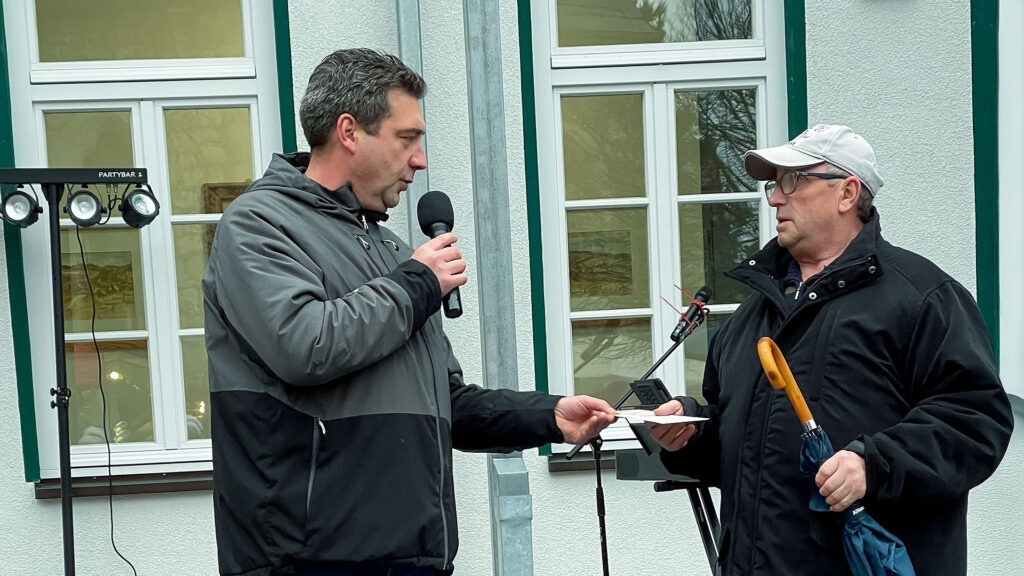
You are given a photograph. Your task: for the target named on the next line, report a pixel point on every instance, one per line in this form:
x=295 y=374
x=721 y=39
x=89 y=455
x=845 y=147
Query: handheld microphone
x=693 y=317
x=437 y=217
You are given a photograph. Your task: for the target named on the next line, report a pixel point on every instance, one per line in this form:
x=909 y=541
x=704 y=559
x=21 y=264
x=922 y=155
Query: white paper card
x=648 y=416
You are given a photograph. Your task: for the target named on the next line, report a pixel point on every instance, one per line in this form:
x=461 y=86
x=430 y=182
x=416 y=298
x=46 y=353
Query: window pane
x=197 y=387
x=713 y=239
x=608 y=267
x=114 y=265
x=192 y=244
x=75 y=31
x=603 y=145
x=713 y=130
x=614 y=22
x=695 y=348
x=125 y=373
x=89 y=139
x=609 y=354
x=209 y=157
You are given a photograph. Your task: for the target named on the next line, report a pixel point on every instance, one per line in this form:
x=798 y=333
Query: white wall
x=900 y=74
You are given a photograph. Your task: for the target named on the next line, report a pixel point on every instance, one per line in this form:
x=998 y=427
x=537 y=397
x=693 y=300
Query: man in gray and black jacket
x=336 y=399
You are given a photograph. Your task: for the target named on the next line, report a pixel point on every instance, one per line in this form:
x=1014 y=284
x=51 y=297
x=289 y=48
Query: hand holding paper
x=673 y=436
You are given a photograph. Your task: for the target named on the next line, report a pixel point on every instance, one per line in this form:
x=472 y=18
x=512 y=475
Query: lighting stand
x=53 y=182
x=61 y=393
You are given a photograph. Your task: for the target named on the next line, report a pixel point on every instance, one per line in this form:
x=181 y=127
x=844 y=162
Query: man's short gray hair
x=866 y=197
x=357 y=82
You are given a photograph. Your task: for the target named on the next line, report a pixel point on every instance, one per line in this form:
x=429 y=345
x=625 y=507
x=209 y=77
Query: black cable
x=103 y=399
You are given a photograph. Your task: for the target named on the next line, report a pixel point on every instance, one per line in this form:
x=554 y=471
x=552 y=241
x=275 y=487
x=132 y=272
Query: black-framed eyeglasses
x=789 y=180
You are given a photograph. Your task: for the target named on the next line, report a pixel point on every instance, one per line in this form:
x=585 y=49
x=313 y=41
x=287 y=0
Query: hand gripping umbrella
x=870 y=549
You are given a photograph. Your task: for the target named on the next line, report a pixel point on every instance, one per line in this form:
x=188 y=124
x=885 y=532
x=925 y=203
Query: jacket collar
x=291 y=168
x=856 y=265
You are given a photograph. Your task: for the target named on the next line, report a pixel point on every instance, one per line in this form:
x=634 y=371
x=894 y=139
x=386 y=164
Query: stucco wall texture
x=897 y=72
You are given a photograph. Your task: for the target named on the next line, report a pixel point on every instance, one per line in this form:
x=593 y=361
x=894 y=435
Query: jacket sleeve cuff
x=857 y=447
x=690 y=406
x=423 y=288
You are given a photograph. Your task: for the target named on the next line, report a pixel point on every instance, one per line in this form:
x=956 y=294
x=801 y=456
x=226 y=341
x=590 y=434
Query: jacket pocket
x=319 y=429
x=820 y=341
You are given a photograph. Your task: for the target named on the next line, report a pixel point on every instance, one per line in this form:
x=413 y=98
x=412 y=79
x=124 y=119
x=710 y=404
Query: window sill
x=128 y=484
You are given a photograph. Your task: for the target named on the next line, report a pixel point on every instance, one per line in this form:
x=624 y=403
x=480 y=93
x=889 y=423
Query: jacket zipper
x=768 y=406
x=318 y=430
x=437 y=404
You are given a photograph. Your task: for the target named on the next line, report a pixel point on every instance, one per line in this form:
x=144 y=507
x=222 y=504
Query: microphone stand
x=596 y=442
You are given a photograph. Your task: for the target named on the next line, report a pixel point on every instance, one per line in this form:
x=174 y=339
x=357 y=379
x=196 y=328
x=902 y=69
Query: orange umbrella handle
x=777 y=370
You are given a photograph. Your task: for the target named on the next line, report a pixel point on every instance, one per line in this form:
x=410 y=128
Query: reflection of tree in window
x=723 y=19
x=617 y=22
x=608 y=354
x=727 y=129
x=713 y=130
x=731 y=232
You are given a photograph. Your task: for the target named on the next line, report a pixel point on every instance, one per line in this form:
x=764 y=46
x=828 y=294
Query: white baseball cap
x=837 y=145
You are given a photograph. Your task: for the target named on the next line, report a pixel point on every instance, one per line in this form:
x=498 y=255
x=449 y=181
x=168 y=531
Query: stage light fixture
x=84 y=207
x=20 y=209
x=139 y=207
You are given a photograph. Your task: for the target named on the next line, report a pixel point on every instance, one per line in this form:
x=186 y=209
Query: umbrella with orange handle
x=870 y=549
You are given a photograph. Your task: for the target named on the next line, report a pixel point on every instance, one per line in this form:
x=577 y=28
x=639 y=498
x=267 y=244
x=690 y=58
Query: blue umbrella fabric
x=815 y=450
x=870 y=549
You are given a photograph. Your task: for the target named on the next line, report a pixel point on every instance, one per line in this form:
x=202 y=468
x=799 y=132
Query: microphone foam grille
x=435 y=206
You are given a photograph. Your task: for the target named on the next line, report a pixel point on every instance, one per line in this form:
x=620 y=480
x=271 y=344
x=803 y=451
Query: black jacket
x=888 y=351
x=335 y=396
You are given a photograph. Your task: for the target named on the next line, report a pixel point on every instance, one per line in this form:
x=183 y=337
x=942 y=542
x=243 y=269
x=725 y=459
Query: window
x=645 y=108
x=187 y=90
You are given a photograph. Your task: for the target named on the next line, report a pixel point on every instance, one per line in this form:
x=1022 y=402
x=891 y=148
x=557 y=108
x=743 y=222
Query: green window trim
x=12 y=234
x=796 y=90
x=285 y=96
x=985 y=99
x=796 y=66
x=540 y=341
x=16 y=284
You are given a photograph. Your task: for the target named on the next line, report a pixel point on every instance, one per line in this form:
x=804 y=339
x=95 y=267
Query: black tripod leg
x=704 y=527
x=709 y=509
x=596 y=445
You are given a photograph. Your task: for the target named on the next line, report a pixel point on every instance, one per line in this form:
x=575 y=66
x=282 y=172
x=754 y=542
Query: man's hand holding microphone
x=444 y=260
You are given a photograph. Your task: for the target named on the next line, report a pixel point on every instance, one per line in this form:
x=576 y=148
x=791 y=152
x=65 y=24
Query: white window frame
x=1011 y=201
x=667 y=53
x=146 y=88
x=755 y=63
x=139 y=70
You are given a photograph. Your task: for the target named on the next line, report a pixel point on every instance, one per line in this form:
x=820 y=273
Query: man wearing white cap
x=891 y=354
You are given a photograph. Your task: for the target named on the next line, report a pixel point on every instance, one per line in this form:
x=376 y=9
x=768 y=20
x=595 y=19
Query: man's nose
x=418 y=161
x=777 y=198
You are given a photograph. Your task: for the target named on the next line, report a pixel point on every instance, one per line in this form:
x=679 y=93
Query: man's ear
x=347 y=131
x=849 y=195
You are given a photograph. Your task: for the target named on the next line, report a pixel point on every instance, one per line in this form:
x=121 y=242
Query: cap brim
x=761 y=164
